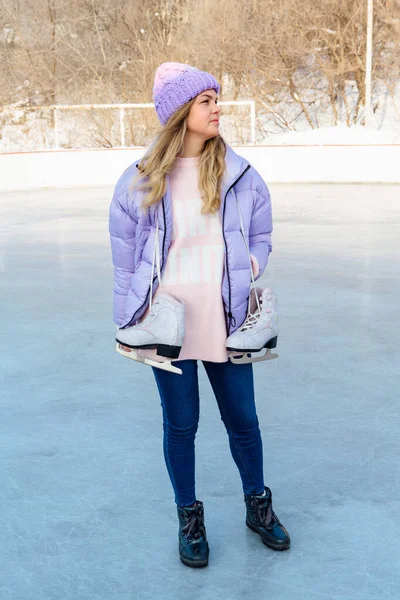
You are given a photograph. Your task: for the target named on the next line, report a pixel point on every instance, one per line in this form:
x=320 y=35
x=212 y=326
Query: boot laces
x=194 y=527
x=264 y=511
x=262 y=506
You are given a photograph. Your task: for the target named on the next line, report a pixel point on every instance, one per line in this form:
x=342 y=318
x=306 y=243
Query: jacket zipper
x=230 y=316
x=161 y=268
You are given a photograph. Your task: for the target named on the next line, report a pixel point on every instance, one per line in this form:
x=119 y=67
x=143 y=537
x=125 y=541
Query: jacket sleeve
x=261 y=228
x=122 y=229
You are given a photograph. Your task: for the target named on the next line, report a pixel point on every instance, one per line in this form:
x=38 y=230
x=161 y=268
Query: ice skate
x=162 y=329
x=254 y=339
x=259 y=332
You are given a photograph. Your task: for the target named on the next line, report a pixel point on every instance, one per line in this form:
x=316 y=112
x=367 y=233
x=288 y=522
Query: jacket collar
x=234 y=167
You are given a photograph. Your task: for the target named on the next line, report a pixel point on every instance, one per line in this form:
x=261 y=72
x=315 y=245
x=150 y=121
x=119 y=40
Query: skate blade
x=164 y=366
x=250 y=357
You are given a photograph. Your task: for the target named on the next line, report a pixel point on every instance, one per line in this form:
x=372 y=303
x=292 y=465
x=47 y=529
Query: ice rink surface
x=87 y=508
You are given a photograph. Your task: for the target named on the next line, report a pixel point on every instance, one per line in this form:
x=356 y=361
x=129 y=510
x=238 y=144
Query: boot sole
x=269 y=544
x=194 y=563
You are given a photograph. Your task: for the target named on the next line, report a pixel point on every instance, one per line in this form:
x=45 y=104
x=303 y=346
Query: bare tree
x=300 y=62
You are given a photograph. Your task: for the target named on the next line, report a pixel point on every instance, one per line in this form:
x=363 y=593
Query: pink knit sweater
x=194 y=268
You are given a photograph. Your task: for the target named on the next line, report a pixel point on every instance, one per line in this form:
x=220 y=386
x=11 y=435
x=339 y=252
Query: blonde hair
x=161 y=156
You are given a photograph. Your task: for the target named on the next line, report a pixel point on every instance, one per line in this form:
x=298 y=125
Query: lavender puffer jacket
x=132 y=236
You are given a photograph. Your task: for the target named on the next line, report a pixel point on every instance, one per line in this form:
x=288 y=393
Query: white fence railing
x=11 y=116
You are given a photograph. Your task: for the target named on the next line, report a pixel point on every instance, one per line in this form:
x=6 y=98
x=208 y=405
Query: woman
x=193 y=180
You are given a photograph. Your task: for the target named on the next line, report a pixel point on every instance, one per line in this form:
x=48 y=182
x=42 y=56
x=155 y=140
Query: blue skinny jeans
x=233 y=387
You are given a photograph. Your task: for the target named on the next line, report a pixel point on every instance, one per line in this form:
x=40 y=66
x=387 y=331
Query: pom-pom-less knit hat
x=177 y=83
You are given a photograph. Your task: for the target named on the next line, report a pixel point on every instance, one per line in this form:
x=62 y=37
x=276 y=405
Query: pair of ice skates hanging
x=164 y=326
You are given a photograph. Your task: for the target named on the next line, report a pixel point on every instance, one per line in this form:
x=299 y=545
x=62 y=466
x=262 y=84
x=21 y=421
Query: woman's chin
x=213 y=135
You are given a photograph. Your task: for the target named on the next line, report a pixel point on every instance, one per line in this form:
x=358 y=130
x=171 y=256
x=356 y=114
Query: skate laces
x=251 y=320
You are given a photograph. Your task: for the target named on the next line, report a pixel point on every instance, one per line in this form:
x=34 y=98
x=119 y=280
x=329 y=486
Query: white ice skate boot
x=259 y=332
x=162 y=329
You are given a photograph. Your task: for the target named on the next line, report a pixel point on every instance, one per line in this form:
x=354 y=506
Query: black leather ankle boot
x=193 y=544
x=261 y=518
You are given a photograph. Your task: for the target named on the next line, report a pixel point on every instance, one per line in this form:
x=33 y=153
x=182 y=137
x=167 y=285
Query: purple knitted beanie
x=177 y=83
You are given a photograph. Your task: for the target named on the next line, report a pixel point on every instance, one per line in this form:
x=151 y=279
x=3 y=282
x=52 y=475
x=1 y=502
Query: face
x=203 y=117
